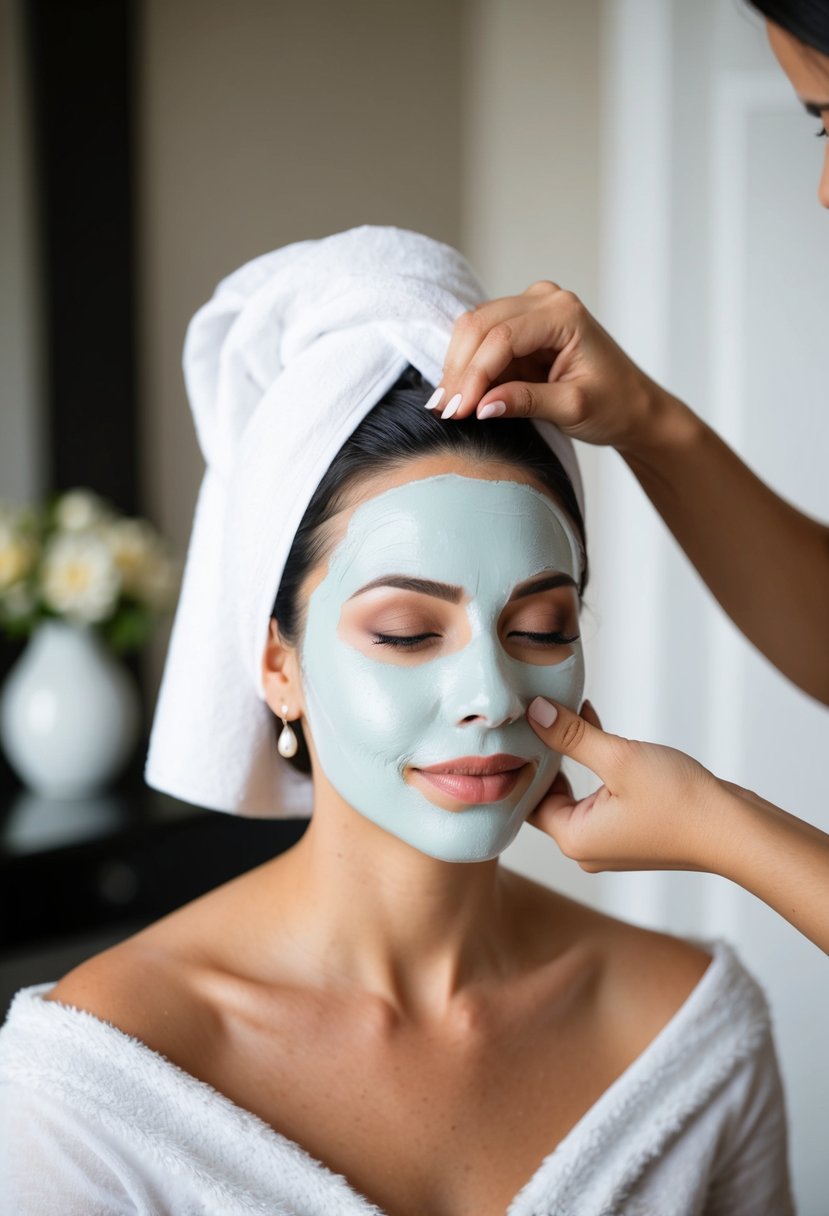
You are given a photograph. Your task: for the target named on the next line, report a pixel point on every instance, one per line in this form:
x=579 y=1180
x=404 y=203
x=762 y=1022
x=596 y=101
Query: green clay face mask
x=380 y=713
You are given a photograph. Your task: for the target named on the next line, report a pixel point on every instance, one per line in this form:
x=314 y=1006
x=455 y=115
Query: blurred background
x=647 y=154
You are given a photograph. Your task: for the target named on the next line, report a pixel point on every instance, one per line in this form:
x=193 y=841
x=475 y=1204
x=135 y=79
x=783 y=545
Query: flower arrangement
x=76 y=558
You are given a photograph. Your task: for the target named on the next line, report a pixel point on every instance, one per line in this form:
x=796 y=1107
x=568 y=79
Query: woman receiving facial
x=421 y=652
x=384 y=1020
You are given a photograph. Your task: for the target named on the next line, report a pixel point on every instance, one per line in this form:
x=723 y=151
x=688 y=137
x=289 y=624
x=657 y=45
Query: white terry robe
x=95 y=1123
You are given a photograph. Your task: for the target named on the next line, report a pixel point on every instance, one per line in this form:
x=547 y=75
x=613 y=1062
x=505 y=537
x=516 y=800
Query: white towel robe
x=95 y=1123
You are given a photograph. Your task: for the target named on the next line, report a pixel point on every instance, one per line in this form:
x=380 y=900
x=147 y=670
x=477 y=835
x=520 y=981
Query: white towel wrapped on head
x=281 y=366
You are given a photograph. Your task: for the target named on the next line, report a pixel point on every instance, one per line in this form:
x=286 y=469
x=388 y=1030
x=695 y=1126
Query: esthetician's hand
x=658 y=809
x=542 y=354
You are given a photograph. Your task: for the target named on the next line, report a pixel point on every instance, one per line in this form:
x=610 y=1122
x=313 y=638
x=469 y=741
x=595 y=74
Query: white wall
x=530 y=143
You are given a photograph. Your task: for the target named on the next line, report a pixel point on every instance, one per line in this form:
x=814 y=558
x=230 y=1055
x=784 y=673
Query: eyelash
x=386 y=639
x=557 y=639
x=822 y=133
x=544 y=639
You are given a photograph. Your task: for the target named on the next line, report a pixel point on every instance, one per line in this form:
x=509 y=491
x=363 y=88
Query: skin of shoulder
x=643 y=976
x=156 y=985
x=143 y=987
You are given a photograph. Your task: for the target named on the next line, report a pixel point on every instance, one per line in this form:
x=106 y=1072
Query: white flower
x=131 y=542
x=77 y=510
x=17 y=556
x=79 y=576
x=147 y=572
x=77 y=558
x=18 y=549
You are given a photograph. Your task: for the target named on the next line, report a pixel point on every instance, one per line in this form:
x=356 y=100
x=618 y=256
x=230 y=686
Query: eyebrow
x=405 y=582
x=447 y=591
x=543 y=582
x=816 y=108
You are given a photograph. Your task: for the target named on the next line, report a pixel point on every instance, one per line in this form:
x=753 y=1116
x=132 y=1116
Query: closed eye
x=389 y=639
x=413 y=640
x=545 y=639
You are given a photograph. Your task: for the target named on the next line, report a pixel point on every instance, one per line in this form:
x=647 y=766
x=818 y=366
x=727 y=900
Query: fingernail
x=452 y=405
x=542 y=712
x=435 y=399
x=493 y=409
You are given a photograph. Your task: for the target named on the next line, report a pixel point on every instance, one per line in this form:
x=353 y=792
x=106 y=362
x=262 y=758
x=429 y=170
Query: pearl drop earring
x=286 y=744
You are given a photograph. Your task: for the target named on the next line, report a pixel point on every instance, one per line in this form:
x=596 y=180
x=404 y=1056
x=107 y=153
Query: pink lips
x=476 y=779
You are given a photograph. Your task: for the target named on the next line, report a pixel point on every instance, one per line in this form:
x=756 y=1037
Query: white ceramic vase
x=69 y=712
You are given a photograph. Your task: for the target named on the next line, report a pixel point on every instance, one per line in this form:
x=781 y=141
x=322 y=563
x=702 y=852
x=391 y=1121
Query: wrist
x=665 y=425
x=747 y=832
x=723 y=827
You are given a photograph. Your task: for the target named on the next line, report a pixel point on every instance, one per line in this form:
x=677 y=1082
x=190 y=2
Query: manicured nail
x=435 y=399
x=452 y=405
x=493 y=409
x=542 y=712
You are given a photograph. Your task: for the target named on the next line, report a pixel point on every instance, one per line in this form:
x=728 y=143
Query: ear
x=280 y=674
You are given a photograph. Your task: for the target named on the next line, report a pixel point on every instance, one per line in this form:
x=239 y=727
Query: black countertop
x=128 y=855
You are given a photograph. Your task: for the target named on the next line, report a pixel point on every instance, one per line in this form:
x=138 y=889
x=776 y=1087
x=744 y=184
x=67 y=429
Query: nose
x=481 y=687
x=823 y=188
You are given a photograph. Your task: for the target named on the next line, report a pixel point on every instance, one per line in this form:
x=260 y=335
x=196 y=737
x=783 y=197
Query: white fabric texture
x=281 y=366
x=93 y=1122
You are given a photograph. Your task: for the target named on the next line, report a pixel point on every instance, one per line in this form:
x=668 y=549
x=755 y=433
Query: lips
x=476 y=779
x=477 y=766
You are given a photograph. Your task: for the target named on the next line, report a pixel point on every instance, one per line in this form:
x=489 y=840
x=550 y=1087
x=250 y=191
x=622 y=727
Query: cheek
x=564 y=682
x=374 y=709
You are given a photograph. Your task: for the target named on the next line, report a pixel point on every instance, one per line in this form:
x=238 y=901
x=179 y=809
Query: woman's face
x=808 y=72
x=448 y=603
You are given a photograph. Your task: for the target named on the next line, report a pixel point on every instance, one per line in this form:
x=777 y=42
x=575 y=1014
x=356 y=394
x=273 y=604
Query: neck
x=407 y=927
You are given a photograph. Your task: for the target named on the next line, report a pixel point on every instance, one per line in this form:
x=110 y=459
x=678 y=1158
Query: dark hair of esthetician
x=805 y=20
x=582 y=381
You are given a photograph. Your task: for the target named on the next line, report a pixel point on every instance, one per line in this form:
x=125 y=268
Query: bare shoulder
x=145 y=988
x=643 y=976
x=648 y=977
x=643 y=962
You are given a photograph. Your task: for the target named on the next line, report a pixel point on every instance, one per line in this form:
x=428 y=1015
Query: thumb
x=570 y=734
x=561 y=403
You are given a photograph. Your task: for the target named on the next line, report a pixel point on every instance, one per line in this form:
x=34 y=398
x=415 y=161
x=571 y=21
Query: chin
x=479 y=834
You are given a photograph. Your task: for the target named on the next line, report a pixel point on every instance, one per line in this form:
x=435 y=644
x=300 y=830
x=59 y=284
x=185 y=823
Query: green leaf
x=129 y=629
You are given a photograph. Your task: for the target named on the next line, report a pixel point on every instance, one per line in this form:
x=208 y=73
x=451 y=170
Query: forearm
x=765 y=562
x=779 y=858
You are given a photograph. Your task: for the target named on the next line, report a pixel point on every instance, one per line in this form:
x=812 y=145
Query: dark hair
x=396 y=430
x=807 y=20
